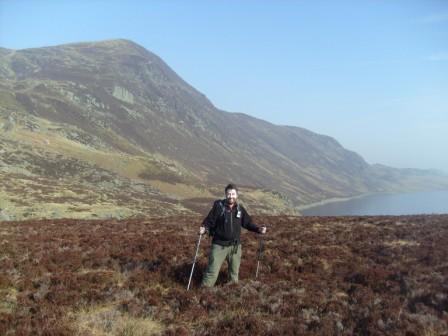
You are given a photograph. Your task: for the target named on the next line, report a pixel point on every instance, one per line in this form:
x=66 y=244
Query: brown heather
x=319 y=276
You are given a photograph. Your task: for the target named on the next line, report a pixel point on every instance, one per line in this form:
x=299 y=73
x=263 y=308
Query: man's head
x=231 y=192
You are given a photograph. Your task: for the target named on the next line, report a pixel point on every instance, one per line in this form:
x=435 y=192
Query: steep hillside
x=113 y=108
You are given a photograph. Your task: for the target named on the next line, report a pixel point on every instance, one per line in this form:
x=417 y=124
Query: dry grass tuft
x=8 y=300
x=401 y=242
x=99 y=321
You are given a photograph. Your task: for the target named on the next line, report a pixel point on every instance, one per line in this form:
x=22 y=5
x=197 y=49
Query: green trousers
x=215 y=259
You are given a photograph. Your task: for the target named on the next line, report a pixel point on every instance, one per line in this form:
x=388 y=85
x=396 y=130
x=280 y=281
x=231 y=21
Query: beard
x=231 y=200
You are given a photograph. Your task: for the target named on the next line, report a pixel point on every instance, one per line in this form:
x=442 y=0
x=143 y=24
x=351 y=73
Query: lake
x=428 y=202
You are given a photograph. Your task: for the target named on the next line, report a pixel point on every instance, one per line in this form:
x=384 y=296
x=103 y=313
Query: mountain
x=108 y=129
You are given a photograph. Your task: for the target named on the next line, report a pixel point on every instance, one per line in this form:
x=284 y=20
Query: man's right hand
x=201 y=230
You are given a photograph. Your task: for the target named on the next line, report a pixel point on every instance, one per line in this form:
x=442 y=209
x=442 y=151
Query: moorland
x=318 y=276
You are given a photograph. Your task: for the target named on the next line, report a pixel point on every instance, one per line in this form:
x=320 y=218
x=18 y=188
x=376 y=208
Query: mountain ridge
x=118 y=100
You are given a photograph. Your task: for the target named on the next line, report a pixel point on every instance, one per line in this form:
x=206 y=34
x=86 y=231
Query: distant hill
x=108 y=129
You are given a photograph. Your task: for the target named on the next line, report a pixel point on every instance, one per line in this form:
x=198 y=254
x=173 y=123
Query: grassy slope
x=49 y=175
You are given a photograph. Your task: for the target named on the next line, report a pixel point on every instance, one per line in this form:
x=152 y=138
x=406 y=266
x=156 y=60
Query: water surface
x=428 y=202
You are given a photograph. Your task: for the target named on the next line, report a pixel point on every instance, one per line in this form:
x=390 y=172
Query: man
x=224 y=223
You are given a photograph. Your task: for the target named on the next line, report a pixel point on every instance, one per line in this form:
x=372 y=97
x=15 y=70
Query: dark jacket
x=225 y=226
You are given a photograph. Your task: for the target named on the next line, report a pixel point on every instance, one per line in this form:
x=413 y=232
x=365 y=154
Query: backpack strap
x=223 y=208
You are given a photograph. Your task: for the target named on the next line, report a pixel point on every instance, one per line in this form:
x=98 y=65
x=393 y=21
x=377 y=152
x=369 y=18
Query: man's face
x=231 y=196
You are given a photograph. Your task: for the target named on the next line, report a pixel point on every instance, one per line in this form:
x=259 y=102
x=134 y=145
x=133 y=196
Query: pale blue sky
x=372 y=74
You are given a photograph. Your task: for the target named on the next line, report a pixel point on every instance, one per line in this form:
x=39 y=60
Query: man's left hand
x=263 y=230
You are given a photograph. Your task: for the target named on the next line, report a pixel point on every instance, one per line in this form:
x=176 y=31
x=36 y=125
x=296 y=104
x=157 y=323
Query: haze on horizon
x=371 y=74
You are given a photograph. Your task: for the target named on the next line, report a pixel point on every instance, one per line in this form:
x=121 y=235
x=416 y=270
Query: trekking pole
x=259 y=255
x=194 y=261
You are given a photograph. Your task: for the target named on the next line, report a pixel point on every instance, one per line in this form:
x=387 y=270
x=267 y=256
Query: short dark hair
x=230 y=186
